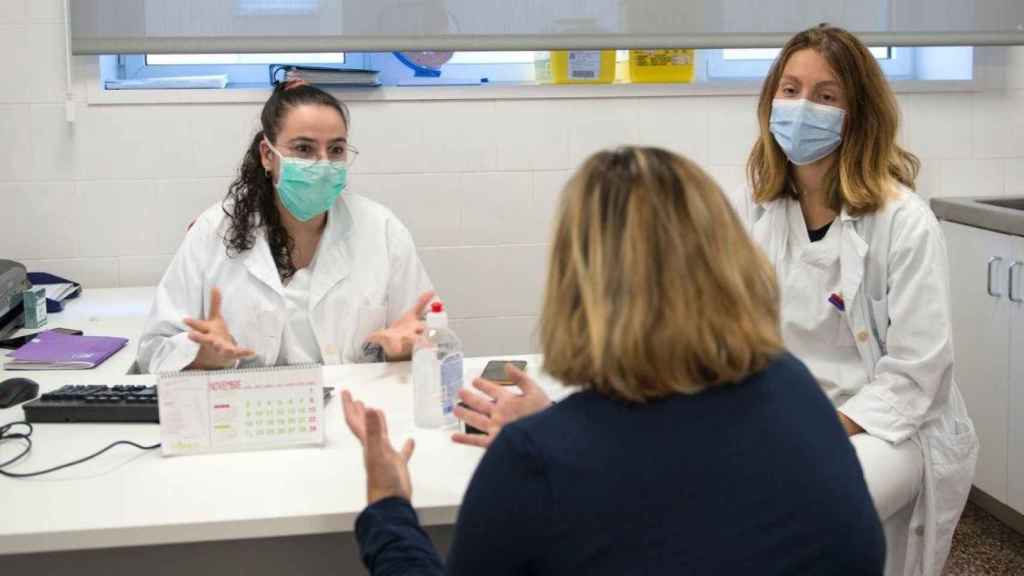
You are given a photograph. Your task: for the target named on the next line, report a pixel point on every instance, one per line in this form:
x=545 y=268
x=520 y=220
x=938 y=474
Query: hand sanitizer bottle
x=436 y=372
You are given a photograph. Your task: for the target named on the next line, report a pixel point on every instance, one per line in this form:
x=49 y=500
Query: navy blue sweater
x=752 y=478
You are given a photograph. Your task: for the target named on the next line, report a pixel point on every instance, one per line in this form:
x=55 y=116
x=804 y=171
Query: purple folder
x=55 y=351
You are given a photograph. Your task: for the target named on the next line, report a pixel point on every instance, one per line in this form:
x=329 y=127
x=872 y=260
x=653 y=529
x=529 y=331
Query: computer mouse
x=17 y=390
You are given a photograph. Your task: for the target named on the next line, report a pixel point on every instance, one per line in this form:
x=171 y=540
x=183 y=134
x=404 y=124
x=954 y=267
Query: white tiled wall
x=107 y=199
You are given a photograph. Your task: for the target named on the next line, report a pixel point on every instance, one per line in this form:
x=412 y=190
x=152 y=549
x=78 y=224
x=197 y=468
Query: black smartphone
x=19 y=341
x=495 y=371
x=466 y=427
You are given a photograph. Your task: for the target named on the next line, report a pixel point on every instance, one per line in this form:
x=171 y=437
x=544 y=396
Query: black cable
x=6 y=434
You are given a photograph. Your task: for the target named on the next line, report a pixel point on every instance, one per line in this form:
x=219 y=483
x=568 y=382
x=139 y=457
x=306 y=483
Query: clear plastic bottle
x=436 y=372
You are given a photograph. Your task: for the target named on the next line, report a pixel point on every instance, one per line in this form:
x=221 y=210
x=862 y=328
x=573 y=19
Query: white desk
x=132 y=498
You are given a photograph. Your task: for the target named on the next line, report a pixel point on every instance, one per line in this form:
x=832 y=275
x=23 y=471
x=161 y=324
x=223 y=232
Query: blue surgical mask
x=308 y=188
x=806 y=132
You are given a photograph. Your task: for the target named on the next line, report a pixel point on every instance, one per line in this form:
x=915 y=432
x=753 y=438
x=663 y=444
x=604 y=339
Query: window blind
x=232 y=26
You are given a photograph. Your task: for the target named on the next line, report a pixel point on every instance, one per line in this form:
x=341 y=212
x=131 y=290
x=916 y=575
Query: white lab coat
x=367 y=274
x=894 y=281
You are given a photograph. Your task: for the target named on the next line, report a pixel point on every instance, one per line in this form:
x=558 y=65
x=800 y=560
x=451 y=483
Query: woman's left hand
x=850 y=426
x=497 y=406
x=387 y=470
x=397 y=340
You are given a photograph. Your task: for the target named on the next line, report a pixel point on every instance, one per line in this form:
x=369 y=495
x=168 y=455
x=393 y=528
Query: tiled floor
x=983 y=545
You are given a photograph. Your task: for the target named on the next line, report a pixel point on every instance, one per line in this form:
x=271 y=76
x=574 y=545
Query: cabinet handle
x=1009 y=273
x=991 y=261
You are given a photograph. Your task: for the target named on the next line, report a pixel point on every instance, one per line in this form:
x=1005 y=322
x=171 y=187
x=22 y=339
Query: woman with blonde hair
x=679 y=453
x=861 y=262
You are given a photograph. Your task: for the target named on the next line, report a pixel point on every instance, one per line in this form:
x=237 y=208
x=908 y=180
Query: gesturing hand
x=397 y=340
x=497 y=406
x=387 y=470
x=217 y=348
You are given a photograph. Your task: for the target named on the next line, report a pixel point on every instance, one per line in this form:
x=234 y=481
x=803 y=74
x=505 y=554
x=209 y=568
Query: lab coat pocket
x=953 y=448
x=369 y=319
x=952 y=443
x=261 y=334
x=844 y=332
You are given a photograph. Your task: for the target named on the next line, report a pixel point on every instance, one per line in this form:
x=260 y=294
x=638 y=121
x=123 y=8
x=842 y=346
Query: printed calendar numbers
x=272 y=416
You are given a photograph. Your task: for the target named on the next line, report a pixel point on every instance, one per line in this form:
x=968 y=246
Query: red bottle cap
x=436 y=307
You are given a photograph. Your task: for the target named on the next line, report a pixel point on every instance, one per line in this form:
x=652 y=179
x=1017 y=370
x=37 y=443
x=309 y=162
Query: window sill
x=495 y=91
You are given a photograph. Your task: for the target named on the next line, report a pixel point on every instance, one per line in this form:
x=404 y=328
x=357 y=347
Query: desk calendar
x=231 y=410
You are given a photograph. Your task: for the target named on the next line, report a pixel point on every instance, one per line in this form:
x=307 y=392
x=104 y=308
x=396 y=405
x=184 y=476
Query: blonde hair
x=869 y=159
x=653 y=286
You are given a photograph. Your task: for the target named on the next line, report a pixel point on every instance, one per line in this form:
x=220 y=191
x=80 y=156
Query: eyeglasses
x=341 y=152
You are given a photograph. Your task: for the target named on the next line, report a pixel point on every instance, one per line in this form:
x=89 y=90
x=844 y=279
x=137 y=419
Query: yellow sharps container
x=661 y=65
x=576 y=67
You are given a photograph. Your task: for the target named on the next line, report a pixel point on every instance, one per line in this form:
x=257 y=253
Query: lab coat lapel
x=771 y=231
x=333 y=260
x=853 y=252
x=260 y=263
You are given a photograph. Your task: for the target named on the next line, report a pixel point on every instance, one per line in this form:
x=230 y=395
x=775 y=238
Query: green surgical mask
x=308 y=188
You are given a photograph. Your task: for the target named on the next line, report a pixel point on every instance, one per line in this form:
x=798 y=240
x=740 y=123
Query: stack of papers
x=59 y=291
x=322 y=75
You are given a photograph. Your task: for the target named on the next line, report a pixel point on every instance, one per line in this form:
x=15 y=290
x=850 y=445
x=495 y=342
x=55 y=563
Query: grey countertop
x=997 y=213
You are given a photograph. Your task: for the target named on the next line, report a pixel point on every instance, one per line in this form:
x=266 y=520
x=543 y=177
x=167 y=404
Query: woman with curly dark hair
x=288 y=269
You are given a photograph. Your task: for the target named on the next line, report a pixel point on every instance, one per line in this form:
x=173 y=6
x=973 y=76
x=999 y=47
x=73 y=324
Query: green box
x=34 y=300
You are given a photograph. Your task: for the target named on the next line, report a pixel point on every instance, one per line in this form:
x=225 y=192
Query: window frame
x=135 y=67
x=263 y=8
x=900 y=65
x=713 y=72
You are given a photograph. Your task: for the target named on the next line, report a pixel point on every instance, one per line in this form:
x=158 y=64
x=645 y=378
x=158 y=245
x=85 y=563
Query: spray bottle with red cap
x=436 y=372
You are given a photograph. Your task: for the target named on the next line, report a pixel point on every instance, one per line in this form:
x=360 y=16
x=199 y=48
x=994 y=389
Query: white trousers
x=894 y=475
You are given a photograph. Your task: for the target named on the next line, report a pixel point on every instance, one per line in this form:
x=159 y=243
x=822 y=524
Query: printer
x=13 y=281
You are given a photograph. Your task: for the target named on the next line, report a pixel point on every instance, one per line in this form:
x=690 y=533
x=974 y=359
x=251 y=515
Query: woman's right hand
x=497 y=406
x=387 y=469
x=217 y=348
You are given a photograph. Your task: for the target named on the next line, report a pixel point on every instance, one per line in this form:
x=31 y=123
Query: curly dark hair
x=250 y=202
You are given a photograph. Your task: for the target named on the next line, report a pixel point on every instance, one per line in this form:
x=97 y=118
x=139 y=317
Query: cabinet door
x=981 y=333
x=1015 y=444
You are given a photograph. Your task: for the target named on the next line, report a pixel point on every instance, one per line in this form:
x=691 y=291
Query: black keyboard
x=95 y=404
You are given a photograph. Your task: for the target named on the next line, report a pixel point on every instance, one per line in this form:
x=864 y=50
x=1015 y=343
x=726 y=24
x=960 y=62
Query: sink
x=999 y=214
x=1012 y=203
